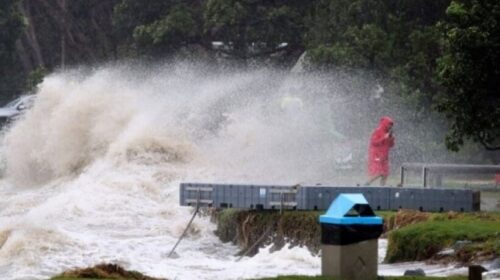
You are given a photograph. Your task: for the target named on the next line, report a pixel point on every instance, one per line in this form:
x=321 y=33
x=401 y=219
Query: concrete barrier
x=320 y=197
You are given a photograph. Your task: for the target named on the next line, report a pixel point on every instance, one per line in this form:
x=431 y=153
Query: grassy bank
x=479 y=233
x=249 y=228
x=412 y=235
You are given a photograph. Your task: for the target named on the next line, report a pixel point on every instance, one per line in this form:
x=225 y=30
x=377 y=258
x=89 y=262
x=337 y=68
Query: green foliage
x=177 y=28
x=364 y=47
x=128 y=14
x=35 y=78
x=423 y=240
x=470 y=74
x=34 y=34
x=400 y=43
x=396 y=40
x=250 y=28
x=394 y=44
x=227 y=224
x=348 y=34
x=425 y=54
x=12 y=24
x=157 y=28
x=301 y=228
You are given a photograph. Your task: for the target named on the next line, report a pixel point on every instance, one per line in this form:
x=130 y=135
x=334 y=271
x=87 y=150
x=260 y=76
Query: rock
x=446 y=252
x=460 y=244
x=174 y=255
x=414 y=272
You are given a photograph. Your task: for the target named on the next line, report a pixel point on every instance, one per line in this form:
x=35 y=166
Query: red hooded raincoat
x=380 y=144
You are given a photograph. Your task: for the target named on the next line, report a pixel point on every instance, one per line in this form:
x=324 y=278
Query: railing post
x=424 y=176
x=402 y=172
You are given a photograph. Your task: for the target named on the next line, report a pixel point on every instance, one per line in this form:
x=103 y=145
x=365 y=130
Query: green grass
x=422 y=240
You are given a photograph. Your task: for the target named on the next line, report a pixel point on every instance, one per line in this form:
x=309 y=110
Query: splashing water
x=93 y=169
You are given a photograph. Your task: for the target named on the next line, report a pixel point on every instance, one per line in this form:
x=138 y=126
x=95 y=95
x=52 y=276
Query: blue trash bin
x=349 y=238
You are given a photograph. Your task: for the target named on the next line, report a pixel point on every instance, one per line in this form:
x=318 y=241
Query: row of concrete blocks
x=320 y=197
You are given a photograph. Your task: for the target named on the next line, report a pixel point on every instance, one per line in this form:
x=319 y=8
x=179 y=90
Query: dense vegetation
x=438 y=54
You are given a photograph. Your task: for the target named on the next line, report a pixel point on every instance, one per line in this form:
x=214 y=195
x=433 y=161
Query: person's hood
x=385 y=123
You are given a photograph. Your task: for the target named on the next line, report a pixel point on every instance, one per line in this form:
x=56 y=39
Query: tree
x=363 y=47
x=256 y=28
x=158 y=28
x=469 y=70
x=12 y=25
x=381 y=36
x=64 y=32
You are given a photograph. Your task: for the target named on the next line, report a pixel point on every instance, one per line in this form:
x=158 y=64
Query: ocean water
x=91 y=173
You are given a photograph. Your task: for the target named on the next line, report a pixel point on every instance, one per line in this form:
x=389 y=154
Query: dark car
x=14 y=108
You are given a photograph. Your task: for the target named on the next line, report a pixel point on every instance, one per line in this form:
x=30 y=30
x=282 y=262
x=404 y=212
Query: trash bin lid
x=350 y=209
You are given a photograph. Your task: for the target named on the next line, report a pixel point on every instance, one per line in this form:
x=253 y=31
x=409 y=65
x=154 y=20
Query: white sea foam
x=93 y=169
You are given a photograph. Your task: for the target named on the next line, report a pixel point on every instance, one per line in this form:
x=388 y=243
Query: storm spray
x=92 y=170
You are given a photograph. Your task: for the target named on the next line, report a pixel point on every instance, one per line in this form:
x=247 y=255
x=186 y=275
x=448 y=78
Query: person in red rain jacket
x=381 y=142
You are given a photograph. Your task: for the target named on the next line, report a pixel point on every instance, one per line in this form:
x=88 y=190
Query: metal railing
x=440 y=169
